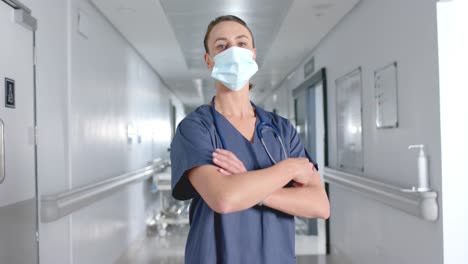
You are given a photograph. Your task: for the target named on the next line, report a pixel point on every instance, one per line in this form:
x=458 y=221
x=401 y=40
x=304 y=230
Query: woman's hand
x=301 y=168
x=227 y=162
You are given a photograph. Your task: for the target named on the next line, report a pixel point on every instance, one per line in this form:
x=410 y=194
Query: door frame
x=319 y=76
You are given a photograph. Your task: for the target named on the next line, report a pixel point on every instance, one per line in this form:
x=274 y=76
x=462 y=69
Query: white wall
x=278 y=100
x=453 y=55
x=89 y=90
x=374 y=34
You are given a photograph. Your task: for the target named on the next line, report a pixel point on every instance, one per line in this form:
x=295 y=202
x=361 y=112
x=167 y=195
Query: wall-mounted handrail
x=421 y=204
x=58 y=205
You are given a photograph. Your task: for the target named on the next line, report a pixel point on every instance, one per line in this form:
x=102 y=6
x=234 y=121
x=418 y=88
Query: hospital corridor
x=233 y=132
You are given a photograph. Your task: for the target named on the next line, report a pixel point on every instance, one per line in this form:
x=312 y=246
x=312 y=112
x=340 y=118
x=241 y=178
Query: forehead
x=228 y=29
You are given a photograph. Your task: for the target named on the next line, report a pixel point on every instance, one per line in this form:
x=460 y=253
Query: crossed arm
x=228 y=187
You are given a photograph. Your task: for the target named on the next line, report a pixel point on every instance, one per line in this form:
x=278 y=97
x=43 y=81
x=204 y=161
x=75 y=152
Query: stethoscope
x=260 y=128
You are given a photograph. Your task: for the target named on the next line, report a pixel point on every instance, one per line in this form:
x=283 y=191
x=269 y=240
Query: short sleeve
x=296 y=148
x=191 y=147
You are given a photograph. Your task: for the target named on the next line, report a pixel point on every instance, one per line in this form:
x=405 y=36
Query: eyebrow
x=242 y=36
x=223 y=38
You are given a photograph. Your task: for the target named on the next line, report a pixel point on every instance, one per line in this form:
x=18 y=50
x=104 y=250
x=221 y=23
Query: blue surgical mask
x=234 y=67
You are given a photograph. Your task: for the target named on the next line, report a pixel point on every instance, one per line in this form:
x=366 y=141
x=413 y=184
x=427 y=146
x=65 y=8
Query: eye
x=242 y=44
x=221 y=47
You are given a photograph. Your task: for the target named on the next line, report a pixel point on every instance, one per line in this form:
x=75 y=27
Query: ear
x=209 y=62
x=254 y=54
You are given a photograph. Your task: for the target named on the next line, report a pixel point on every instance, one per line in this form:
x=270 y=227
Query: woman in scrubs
x=243 y=204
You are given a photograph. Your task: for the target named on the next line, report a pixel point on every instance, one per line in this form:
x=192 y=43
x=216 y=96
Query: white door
x=18 y=184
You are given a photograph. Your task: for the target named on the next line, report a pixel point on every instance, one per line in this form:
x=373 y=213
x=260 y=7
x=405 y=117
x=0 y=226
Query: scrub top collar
x=215 y=119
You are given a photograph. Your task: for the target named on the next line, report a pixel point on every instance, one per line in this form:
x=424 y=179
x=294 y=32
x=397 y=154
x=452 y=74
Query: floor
x=157 y=249
x=169 y=249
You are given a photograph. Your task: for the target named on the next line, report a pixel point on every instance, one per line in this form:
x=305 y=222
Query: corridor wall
x=374 y=34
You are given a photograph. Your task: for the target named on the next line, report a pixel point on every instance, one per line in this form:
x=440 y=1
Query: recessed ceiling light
x=291 y=75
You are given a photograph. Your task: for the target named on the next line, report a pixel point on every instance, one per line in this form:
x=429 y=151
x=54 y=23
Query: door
x=18 y=181
x=311 y=234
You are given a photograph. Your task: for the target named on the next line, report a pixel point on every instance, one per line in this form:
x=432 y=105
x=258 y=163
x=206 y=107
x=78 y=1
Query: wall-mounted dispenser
x=423 y=175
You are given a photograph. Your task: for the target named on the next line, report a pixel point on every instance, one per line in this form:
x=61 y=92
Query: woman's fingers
x=222 y=164
x=229 y=154
x=228 y=161
x=224 y=172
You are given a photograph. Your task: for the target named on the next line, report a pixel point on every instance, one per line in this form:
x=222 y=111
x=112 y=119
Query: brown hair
x=220 y=19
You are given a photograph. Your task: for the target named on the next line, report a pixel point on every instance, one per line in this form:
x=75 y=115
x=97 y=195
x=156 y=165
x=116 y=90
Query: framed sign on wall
x=386 y=96
x=10 y=93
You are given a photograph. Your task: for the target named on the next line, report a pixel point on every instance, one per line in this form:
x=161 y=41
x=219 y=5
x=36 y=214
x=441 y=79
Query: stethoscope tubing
x=259 y=128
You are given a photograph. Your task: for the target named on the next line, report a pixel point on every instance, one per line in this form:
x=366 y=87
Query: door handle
x=2 y=151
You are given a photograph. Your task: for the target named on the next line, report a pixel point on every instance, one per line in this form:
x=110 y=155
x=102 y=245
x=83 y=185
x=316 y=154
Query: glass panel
x=349 y=121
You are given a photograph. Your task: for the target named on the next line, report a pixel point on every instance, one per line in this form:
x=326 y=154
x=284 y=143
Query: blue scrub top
x=254 y=236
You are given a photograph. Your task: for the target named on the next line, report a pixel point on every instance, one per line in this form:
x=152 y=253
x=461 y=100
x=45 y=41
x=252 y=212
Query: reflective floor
x=169 y=249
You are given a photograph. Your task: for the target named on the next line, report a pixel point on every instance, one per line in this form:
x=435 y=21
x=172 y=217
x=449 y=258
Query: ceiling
x=169 y=34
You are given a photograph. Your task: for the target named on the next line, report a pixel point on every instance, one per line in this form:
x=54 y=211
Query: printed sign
x=309 y=67
x=9 y=93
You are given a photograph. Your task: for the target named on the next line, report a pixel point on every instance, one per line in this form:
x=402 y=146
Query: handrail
x=17 y=5
x=58 y=205
x=421 y=204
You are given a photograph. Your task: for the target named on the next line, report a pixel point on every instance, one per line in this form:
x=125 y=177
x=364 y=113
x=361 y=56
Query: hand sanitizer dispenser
x=422 y=169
